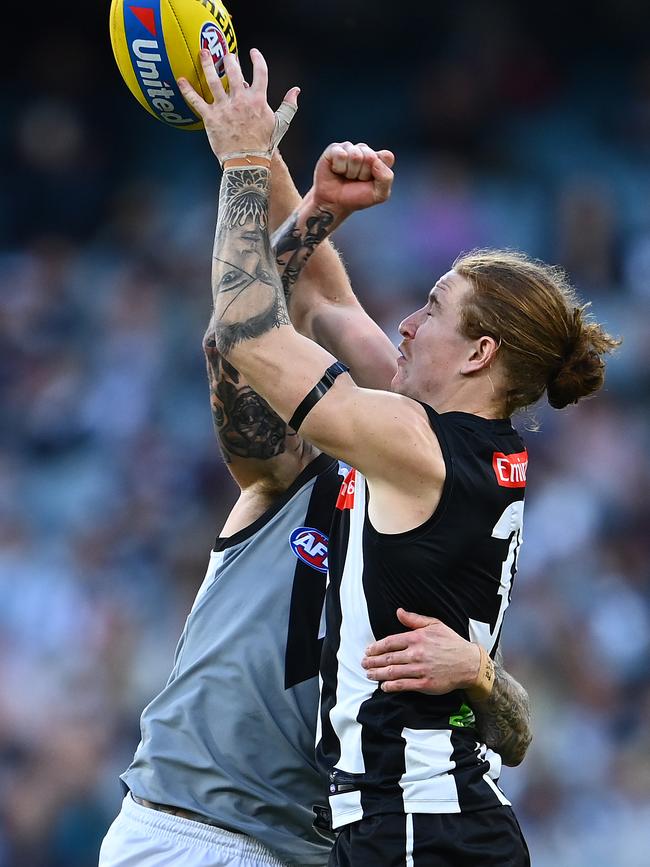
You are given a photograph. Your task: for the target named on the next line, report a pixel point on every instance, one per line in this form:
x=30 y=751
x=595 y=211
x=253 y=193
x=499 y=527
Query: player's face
x=432 y=348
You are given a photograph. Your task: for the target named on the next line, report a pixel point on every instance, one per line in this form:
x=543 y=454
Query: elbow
x=515 y=756
x=227 y=338
x=209 y=344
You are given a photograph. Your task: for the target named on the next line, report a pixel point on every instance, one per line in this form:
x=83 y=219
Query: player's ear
x=482 y=353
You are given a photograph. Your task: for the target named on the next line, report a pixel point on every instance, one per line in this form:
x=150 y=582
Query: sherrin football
x=157 y=41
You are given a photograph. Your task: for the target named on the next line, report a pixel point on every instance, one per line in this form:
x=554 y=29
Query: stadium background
x=517 y=126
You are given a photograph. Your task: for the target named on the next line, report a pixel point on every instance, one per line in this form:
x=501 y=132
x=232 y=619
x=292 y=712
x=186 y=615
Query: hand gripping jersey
x=231 y=735
x=407 y=752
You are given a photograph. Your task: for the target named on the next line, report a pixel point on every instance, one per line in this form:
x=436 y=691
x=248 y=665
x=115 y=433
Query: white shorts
x=141 y=837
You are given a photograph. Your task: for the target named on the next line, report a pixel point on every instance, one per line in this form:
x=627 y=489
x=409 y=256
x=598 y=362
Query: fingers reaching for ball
x=192 y=98
x=260 y=72
x=212 y=76
x=239 y=122
x=236 y=83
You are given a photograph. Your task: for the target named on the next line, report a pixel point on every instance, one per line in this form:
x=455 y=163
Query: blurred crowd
x=111 y=485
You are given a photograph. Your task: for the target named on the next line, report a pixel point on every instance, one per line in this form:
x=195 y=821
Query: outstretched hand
x=350 y=177
x=240 y=121
x=432 y=658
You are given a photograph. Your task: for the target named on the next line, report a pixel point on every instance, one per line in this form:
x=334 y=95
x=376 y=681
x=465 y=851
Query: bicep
x=382 y=434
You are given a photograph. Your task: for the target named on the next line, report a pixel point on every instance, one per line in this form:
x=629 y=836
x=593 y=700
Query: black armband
x=319 y=390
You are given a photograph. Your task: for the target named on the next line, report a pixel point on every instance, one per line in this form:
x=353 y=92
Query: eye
x=229 y=277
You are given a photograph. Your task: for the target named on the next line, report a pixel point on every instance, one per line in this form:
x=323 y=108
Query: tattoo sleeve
x=245 y=424
x=295 y=241
x=503 y=720
x=248 y=296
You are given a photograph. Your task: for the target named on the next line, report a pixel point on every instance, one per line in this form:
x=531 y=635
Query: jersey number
x=509 y=526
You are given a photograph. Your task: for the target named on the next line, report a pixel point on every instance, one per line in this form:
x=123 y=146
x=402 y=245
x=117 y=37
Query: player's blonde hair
x=547 y=340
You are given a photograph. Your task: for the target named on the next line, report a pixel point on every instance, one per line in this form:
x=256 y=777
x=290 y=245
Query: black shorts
x=484 y=838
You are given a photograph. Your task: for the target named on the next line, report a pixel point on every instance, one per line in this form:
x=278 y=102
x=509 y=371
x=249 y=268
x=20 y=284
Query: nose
x=409 y=326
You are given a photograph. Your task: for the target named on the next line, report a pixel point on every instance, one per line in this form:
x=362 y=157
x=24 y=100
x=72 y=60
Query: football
x=157 y=41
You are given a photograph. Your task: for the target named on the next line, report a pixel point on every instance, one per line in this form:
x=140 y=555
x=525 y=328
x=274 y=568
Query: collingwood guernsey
x=231 y=735
x=410 y=752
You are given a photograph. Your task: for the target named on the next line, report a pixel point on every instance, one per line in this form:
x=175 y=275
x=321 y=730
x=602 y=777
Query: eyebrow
x=433 y=298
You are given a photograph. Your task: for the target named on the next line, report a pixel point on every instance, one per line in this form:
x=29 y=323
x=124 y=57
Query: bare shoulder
x=385 y=435
x=406 y=491
x=410 y=441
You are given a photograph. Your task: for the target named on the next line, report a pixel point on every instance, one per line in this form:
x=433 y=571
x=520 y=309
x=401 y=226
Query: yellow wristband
x=484 y=679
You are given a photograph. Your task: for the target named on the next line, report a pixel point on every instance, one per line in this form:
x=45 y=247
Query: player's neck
x=476 y=398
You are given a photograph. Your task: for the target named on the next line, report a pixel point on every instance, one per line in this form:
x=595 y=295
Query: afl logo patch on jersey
x=310 y=546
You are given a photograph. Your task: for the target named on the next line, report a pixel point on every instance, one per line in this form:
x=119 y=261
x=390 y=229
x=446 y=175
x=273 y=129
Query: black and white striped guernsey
x=409 y=752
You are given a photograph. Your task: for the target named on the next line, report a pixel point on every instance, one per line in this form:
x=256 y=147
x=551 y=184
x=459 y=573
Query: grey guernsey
x=231 y=735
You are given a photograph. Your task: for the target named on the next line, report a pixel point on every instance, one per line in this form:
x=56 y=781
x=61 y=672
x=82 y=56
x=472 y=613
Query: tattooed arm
x=317 y=290
x=319 y=296
x=433 y=659
x=258 y=447
x=503 y=719
x=253 y=330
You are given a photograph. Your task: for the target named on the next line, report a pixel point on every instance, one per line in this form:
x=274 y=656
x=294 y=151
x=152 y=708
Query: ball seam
x=198 y=74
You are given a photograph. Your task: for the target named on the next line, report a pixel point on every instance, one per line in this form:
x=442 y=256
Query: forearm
x=247 y=292
x=503 y=719
x=285 y=198
x=252 y=327
x=295 y=242
x=320 y=299
x=303 y=252
x=311 y=270
x=432 y=658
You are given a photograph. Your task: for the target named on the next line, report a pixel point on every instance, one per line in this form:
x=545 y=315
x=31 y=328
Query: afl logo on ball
x=213 y=39
x=310 y=546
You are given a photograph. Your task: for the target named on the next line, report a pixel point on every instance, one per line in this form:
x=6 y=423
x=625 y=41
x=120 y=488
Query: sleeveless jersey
x=410 y=752
x=231 y=735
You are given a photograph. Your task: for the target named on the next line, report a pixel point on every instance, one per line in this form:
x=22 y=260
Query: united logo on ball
x=157 y=41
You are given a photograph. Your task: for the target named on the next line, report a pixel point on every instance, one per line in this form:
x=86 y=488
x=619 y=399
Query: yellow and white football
x=157 y=41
